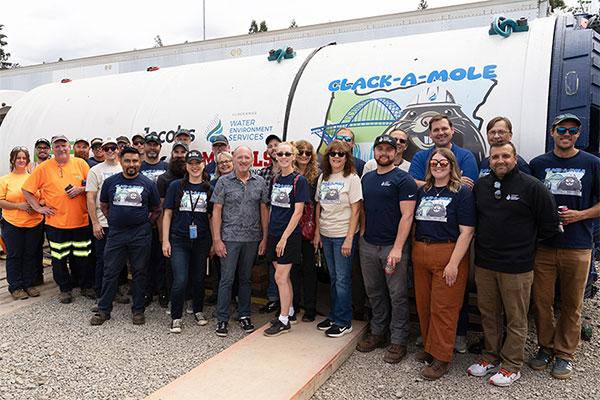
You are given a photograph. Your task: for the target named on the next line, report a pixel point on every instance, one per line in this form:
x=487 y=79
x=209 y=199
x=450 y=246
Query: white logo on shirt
x=386 y=183
x=512 y=197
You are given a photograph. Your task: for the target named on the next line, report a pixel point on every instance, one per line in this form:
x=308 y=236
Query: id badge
x=193 y=231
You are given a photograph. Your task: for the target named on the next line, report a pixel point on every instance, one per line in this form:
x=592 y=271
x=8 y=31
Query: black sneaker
x=277 y=328
x=325 y=324
x=163 y=300
x=147 y=301
x=309 y=317
x=246 y=325
x=337 y=331
x=221 y=329
x=269 y=308
x=293 y=319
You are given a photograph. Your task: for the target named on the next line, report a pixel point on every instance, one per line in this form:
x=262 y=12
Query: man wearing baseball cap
x=183 y=135
x=137 y=141
x=219 y=145
x=98 y=157
x=123 y=141
x=62 y=181
x=389 y=204
x=81 y=148
x=573 y=177
x=42 y=151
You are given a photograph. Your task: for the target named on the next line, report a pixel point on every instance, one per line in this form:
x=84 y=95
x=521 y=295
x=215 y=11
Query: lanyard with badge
x=193 y=228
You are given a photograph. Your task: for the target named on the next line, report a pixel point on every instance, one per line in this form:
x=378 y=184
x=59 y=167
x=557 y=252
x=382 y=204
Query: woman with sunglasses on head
x=289 y=192
x=401 y=145
x=304 y=275
x=21 y=228
x=444 y=226
x=187 y=237
x=339 y=196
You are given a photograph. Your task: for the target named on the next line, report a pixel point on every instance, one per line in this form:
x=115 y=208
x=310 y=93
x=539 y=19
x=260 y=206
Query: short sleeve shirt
x=51 y=180
x=191 y=205
x=10 y=190
x=129 y=201
x=240 y=216
x=465 y=159
x=284 y=197
x=439 y=212
x=371 y=165
x=575 y=183
x=336 y=196
x=153 y=171
x=96 y=177
x=382 y=194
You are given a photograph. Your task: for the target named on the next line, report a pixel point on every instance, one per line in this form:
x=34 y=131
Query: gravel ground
x=50 y=351
x=366 y=376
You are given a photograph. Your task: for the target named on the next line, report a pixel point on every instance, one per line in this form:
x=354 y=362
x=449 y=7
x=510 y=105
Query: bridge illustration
x=368 y=112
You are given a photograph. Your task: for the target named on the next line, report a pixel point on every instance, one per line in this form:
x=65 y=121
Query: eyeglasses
x=343 y=138
x=224 y=162
x=440 y=163
x=306 y=153
x=497 y=192
x=500 y=132
x=109 y=148
x=561 y=130
x=283 y=154
x=339 y=154
x=138 y=142
x=401 y=141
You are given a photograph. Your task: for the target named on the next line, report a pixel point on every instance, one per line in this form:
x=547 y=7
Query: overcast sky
x=44 y=30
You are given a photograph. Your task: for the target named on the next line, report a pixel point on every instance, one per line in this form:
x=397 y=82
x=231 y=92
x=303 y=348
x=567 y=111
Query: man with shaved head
x=240 y=218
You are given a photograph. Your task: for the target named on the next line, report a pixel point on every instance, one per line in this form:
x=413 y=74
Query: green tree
x=4 y=56
x=263 y=27
x=253 y=27
x=422 y=5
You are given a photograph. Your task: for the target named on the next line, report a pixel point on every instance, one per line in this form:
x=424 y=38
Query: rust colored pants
x=438 y=305
x=571 y=266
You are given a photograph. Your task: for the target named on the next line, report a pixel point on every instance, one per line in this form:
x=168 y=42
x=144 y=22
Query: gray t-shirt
x=240 y=218
x=96 y=177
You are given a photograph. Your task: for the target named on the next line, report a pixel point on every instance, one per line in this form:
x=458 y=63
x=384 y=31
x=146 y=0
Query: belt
x=429 y=241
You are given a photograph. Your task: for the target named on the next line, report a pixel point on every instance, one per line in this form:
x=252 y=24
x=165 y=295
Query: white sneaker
x=504 y=377
x=175 y=326
x=481 y=368
x=189 y=309
x=460 y=344
x=200 y=319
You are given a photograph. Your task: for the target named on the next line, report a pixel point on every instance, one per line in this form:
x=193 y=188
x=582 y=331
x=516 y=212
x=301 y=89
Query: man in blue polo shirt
x=499 y=130
x=573 y=177
x=130 y=202
x=441 y=133
x=389 y=204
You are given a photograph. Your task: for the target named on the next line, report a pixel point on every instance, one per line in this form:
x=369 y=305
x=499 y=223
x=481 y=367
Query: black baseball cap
x=219 y=139
x=271 y=137
x=193 y=155
x=96 y=141
x=385 y=139
x=566 y=117
x=183 y=131
x=182 y=144
x=42 y=140
x=123 y=139
x=152 y=137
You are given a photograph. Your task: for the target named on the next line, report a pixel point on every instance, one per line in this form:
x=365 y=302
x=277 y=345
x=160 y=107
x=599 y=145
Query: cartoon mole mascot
x=414 y=120
x=282 y=197
x=133 y=197
x=333 y=195
x=570 y=184
x=438 y=211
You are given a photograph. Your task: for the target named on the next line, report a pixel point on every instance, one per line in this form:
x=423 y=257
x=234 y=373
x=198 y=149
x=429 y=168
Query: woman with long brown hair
x=444 y=227
x=339 y=194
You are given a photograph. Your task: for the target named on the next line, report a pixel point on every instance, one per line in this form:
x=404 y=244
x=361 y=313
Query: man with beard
x=389 y=204
x=219 y=145
x=62 y=181
x=81 y=149
x=573 y=177
x=130 y=203
x=137 y=142
x=42 y=151
x=98 y=152
x=152 y=168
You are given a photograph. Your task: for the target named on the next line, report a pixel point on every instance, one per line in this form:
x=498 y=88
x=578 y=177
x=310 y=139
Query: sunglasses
x=347 y=139
x=339 y=154
x=306 y=153
x=401 y=141
x=497 y=191
x=439 y=163
x=561 y=130
x=138 y=142
x=283 y=154
x=109 y=148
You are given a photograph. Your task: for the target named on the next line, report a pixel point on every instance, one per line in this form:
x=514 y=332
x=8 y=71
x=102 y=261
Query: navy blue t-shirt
x=211 y=169
x=182 y=215
x=382 y=195
x=440 y=211
x=484 y=167
x=465 y=159
x=153 y=171
x=283 y=201
x=575 y=183
x=129 y=200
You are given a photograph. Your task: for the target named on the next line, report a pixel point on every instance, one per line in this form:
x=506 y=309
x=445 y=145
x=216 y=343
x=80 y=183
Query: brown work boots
x=435 y=370
x=370 y=342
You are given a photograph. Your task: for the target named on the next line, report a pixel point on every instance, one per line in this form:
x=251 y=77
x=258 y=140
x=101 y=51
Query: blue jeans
x=120 y=244
x=100 y=245
x=22 y=246
x=188 y=259
x=340 y=275
x=239 y=255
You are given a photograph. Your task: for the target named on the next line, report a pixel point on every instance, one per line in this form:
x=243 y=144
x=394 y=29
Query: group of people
x=531 y=225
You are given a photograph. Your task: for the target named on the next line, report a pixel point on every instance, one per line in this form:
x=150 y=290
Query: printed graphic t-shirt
x=96 y=177
x=10 y=190
x=575 y=183
x=440 y=211
x=336 y=196
x=153 y=171
x=129 y=201
x=382 y=195
x=51 y=180
x=197 y=195
x=283 y=202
